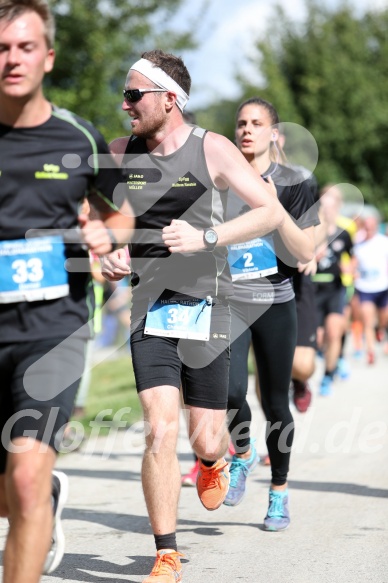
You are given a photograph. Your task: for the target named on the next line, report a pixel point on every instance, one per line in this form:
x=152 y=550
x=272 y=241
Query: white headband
x=162 y=80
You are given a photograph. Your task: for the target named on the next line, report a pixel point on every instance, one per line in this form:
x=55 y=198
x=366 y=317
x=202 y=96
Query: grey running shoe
x=60 y=490
x=278 y=515
x=239 y=471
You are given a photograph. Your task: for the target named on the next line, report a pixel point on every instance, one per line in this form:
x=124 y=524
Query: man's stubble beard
x=151 y=129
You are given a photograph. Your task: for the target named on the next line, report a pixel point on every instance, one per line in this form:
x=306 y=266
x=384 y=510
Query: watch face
x=211 y=237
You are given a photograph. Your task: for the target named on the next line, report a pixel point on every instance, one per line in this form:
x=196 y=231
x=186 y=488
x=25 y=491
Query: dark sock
x=242 y=441
x=207 y=463
x=165 y=541
x=299 y=385
x=343 y=340
x=329 y=373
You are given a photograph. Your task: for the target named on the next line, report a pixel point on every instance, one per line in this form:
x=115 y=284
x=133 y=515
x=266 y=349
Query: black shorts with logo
x=39 y=382
x=200 y=367
x=330 y=298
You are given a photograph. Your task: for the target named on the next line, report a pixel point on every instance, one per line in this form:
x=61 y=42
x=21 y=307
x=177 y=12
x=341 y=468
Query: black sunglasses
x=133 y=95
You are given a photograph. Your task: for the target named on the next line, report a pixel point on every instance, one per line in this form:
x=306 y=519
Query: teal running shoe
x=326 y=387
x=278 y=515
x=239 y=471
x=342 y=370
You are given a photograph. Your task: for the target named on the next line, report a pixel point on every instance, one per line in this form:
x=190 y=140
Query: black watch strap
x=210 y=239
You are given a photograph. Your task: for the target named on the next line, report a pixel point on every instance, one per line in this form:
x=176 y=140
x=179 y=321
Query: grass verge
x=112 y=395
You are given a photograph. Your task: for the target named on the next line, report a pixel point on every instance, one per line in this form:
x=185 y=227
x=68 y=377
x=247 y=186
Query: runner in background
x=347 y=224
x=330 y=292
x=371 y=283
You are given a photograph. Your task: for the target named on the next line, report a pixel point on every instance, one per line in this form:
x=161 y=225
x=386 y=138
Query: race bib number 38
x=252 y=259
x=32 y=270
x=179 y=319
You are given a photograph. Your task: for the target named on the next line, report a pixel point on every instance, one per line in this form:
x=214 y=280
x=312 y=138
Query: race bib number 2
x=253 y=259
x=179 y=319
x=32 y=270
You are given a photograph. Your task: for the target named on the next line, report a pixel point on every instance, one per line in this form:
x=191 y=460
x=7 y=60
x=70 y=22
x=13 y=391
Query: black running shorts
x=200 y=367
x=39 y=381
x=329 y=299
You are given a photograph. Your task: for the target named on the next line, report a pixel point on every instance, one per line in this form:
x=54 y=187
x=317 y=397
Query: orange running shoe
x=213 y=484
x=167 y=568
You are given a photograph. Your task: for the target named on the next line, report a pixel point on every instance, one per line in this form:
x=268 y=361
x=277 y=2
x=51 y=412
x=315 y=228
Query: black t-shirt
x=329 y=266
x=297 y=198
x=45 y=174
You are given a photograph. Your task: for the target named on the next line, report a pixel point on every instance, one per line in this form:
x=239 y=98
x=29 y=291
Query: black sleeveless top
x=162 y=188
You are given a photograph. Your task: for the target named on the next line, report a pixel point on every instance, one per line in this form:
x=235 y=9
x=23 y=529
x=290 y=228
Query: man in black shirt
x=45 y=304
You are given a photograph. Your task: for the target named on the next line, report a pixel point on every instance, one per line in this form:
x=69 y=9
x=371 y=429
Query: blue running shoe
x=326 y=386
x=343 y=370
x=278 y=515
x=239 y=471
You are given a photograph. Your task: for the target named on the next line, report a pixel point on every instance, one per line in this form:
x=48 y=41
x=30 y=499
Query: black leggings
x=273 y=336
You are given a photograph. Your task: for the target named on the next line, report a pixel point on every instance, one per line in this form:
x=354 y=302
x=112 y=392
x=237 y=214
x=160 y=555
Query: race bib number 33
x=179 y=319
x=32 y=270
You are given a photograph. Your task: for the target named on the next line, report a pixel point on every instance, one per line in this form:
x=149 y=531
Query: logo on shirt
x=338 y=245
x=185 y=181
x=219 y=336
x=138 y=179
x=51 y=172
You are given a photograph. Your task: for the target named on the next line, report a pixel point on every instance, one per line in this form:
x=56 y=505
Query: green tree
x=96 y=43
x=329 y=74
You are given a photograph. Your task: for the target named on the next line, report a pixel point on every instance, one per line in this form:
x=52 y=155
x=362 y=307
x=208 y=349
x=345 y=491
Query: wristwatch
x=210 y=239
